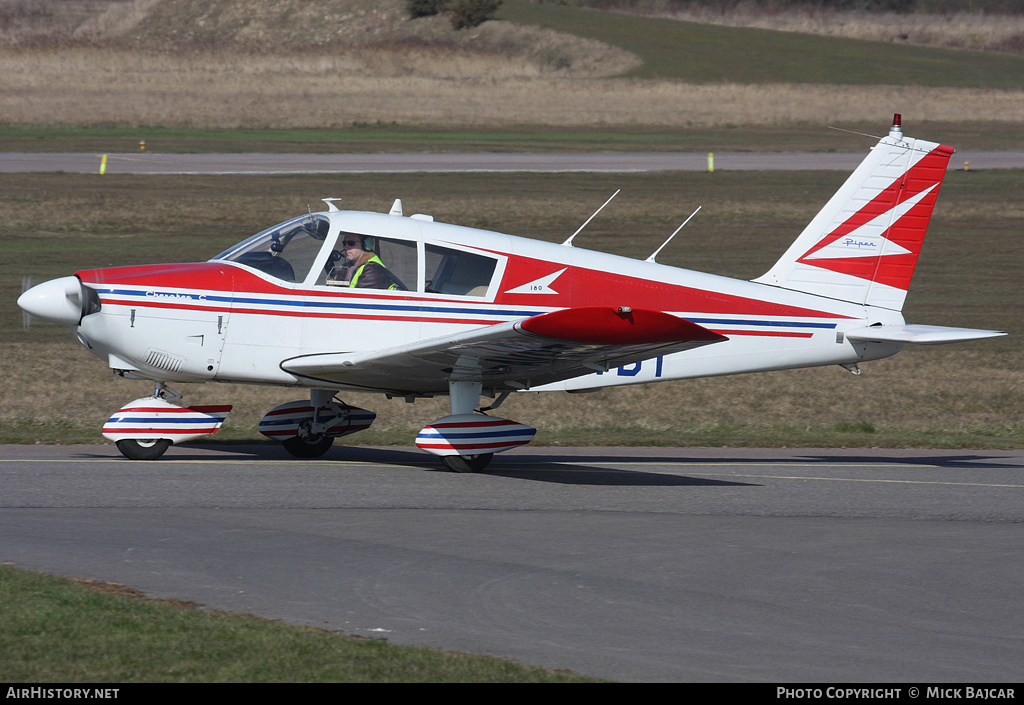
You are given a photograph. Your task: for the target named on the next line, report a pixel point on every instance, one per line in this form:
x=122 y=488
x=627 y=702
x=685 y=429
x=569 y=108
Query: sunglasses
x=352 y=243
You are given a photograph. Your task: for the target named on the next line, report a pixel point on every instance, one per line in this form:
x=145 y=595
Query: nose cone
x=58 y=300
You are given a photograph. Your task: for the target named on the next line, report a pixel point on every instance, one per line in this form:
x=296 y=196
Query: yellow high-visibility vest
x=375 y=259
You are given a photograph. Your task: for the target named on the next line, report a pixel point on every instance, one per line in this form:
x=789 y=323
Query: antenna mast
x=568 y=243
x=651 y=258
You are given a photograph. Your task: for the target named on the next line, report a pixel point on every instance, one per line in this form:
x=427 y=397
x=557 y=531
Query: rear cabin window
x=452 y=271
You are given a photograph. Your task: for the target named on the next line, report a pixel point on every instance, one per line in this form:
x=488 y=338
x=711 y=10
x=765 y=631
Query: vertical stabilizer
x=864 y=244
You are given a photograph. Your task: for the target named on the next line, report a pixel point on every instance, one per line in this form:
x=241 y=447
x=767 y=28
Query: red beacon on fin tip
x=897 y=126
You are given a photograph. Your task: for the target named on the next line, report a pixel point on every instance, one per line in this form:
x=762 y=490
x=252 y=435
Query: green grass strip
x=59 y=630
x=701 y=53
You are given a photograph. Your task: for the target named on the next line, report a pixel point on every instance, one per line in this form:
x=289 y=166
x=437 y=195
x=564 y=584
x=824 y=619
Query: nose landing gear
x=145 y=428
x=143 y=448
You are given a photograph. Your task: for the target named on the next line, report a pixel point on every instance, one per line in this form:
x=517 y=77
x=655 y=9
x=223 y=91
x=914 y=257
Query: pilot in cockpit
x=363 y=268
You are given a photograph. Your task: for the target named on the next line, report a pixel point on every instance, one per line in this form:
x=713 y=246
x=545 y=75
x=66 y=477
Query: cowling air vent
x=164 y=361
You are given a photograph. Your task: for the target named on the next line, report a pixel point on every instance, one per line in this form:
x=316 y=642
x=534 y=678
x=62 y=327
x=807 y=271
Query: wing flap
x=546 y=348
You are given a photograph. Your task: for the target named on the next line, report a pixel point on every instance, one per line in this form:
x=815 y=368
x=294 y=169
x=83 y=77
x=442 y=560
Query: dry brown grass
x=361 y=37
x=279 y=64
x=916 y=392
x=90 y=85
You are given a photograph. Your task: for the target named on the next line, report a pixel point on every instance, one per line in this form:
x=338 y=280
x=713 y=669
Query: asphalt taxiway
x=603 y=162
x=635 y=564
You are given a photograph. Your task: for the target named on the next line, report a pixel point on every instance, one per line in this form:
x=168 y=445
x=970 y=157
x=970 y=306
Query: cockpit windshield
x=285 y=251
x=350 y=257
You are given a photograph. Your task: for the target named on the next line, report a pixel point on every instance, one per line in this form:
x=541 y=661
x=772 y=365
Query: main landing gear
x=465 y=441
x=467 y=463
x=313 y=447
x=307 y=429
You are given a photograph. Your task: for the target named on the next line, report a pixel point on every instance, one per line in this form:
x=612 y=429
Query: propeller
x=63 y=300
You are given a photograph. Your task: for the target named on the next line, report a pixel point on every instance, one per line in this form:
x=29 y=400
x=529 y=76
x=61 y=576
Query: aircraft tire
x=143 y=448
x=467 y=463
x=301 y=448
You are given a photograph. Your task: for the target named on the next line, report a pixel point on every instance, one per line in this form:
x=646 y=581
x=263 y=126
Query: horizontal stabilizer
x=920 y=335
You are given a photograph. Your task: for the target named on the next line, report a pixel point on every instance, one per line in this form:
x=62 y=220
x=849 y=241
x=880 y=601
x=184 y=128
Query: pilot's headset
x=369 y=243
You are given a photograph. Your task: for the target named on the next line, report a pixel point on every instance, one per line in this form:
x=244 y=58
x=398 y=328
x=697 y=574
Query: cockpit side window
x=399 y=257
x=285 y=251
x=368 y=262
x=451 y=271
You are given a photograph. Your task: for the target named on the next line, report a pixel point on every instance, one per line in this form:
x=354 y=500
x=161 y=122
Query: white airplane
x=344 y=301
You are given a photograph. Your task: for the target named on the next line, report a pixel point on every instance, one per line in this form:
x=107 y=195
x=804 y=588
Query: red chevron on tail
x=864 y=244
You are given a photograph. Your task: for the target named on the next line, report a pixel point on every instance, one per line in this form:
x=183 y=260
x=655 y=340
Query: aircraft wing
x=546 y=348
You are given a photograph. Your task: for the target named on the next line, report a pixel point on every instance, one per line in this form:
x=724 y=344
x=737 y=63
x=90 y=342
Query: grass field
x=65 y=631
x=553 y=67
x=701 y=53
x=975 y=135
x=979 y=29
x=967 y=395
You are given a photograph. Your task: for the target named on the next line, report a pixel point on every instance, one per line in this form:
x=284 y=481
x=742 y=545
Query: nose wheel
x=143 y=448
x=137 y=427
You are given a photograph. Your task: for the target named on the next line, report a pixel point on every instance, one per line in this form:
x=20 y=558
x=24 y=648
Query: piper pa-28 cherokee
x=343 y=301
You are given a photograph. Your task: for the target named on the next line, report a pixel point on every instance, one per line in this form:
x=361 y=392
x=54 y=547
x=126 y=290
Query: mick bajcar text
x=929 y=692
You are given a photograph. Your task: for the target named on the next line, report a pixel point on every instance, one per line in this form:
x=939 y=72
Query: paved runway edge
x=598 y=162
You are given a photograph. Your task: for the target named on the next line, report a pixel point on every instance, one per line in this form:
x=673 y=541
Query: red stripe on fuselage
x=300 y=312
x=162 y=430
x=584 y=287
x=588 y=287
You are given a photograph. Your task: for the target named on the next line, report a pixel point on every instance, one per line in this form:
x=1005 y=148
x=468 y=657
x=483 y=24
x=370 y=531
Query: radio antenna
x=568 y=243
x=651 y=258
